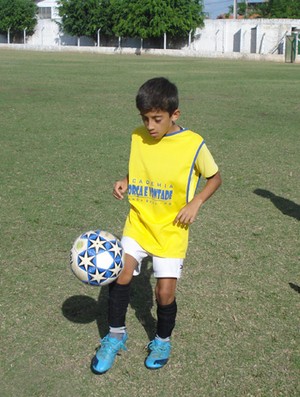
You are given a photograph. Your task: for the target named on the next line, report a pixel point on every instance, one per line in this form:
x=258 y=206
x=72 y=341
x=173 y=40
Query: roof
x=47 y=3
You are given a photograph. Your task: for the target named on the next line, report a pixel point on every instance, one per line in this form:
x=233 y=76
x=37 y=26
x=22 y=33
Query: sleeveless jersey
x=163 y=177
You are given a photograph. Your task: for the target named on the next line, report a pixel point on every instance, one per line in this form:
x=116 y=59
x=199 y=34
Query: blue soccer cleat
x=106 y=354
x=159 y=352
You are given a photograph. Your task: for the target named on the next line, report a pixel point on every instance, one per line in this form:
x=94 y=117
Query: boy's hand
x=188 y=213
x=120 y=187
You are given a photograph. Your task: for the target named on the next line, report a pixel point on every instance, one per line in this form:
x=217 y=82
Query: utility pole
x=234 y=9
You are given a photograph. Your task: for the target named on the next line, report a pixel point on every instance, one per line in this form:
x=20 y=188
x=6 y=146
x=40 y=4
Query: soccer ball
x=97 y=258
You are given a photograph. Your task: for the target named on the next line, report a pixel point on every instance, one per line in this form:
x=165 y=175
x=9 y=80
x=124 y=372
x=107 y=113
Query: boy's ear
x=175 y=115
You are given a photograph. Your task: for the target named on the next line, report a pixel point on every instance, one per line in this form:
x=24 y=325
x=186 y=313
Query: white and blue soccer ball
x=97 y=258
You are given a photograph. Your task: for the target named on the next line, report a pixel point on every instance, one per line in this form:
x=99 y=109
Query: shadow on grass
x=295 y=287
x=84 y=309
x=287 y=207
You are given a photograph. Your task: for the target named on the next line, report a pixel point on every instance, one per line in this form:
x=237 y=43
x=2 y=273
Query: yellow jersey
x=163 y=177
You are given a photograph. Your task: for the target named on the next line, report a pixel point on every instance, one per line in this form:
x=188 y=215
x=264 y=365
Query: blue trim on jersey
x=176 y=132
x=198 y=183
x=191 y=171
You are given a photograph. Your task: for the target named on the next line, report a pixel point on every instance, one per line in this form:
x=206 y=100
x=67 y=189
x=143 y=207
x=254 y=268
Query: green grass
x=65 y=134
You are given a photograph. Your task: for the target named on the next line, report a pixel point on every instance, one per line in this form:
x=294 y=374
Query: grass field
x=65 y=133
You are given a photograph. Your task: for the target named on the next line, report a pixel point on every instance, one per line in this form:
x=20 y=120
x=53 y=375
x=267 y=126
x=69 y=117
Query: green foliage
x=84 y=18
x=101 y=18
x=131 y=18
x=186 y=16
x=246 y=9
x=153 y=18
x=141 y=18
x=281 y=9
x=17 y=15
x=269 y=9
x=241 y=8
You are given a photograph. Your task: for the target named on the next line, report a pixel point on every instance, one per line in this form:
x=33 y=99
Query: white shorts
x=162 y=267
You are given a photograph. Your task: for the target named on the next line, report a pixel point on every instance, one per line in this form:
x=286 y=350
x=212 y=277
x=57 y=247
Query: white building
x=48 y=32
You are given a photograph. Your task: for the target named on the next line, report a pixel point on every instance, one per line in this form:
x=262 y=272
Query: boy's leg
x=119 y=292
x=165 y=290
x=166 y=306
x=160 y=347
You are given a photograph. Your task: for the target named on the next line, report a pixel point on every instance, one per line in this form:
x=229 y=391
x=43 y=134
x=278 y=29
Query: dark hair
x=157 y=93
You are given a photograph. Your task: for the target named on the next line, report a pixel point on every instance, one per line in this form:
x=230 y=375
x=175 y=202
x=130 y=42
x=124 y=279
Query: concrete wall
x=47 y=33
x=258 y=36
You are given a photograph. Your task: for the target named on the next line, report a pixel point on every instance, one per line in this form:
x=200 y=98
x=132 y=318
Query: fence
x=224 y=38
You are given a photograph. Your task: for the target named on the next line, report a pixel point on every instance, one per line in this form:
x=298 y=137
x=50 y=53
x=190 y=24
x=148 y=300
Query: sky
x=218 y=7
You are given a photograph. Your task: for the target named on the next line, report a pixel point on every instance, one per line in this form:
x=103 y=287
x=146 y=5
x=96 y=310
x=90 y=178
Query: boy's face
x=159 y=122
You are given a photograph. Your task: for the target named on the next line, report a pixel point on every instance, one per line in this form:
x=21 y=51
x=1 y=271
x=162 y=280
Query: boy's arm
x=188 y=213
x=120 y=187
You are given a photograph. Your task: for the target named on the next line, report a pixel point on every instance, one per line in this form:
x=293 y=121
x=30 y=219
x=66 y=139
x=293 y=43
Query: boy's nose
x=150 y=126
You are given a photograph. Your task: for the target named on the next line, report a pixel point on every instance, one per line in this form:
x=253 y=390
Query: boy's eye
x=146 y=119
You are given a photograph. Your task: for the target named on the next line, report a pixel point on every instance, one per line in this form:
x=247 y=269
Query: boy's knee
x=165 y=291
x=125 y=278
x=164 y=296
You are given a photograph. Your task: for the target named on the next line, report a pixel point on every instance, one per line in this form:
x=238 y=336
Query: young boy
x=166 y=162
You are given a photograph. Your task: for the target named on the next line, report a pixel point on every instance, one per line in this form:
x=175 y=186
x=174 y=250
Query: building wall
x=48 y=33
x=236 y=36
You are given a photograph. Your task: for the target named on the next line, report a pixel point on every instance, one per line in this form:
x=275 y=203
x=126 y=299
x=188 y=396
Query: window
x=45 y=12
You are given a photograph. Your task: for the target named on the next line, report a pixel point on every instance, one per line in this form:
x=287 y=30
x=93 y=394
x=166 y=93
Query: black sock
x=166 y=316
x=117 y=304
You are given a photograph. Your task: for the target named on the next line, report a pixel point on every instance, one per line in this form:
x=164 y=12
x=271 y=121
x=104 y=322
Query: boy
x=166 y=162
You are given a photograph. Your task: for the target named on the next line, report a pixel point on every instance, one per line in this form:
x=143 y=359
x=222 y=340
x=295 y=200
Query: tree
x=84 y=18
x=270 y=9
x=186 y=16
x=140 y=18
x=247 y=9
x=131 y=18
x=102 y=18
x=241 y=8
x=17 y=15
x=153 y=18
x=281 y=9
